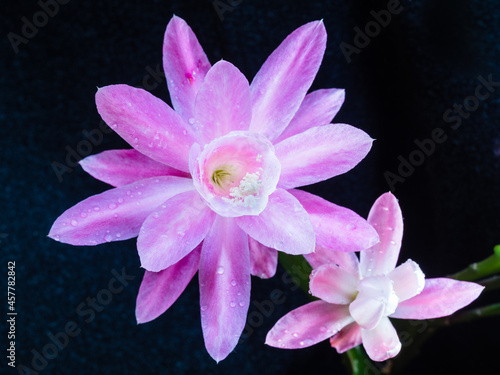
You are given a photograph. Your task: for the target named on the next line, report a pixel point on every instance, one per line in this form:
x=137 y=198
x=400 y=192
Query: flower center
x=236 y=173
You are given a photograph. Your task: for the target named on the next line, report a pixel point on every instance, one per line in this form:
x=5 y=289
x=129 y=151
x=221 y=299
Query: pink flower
x=358 y=297
x=209 y=187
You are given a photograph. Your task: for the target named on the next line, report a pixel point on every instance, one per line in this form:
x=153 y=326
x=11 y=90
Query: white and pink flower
x=210 y=186
x=357 y=298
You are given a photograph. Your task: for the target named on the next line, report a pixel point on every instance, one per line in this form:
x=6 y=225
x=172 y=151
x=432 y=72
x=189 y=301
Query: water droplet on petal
x=233 y=282
x=112 y=206
x=220 y=270
x=120 y=200
x=295 y=334
x=118 y=235
x=108 y=238
x=203 y=308
x=242 y=303
x=351 y=227
x=393 y=242
x=182 y=234
x=83 y=214
x=96 y=208
x=156 y=215
x=232 y=304
x=74 y=223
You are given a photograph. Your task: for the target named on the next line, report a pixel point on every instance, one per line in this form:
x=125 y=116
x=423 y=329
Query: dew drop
x=112 y=206
x=203 y=308
x=351 y=227
x=156 y=215
x=182 y=234
x=191 y=120
x=242 y=303
x=301 y=343
x=74 y=223
x=83 y=214
x=232 y=304
x=108 y=238
x=96 y=208
x=233 y=282
x=393 y=242
x=120 y=200
x=295 y=334
x=385 y=208
x=322 y=329
x=56 y=237
x=118 y=235
x=220 y=270
x=390 y=228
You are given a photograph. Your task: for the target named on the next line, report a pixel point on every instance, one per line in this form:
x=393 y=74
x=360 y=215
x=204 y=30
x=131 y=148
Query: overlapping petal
x=318 y=108
x=185 y=64
x=283 y=80
x=173 y=230
x=440 y=297
x=333 y=284
x=322 y=255
x=320 y=153
x=147 y=123
x=386 y=217
x=116 y=214
x=308 y=325
x=382 y=342
x=263 y=259
x=408 y=280
x=347 y=338
x=336 y=227
x=223 y=102
x=122 y=167
x=224 y=286
x=284 y=225
x=159 y=290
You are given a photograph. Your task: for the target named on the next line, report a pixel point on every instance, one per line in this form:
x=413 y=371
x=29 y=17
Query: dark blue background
x=397 y=90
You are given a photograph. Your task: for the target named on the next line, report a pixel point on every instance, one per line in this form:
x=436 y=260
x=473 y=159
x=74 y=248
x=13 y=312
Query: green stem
x=360 y=363
x=473 y=314
x=491 y=283
x=486 y=267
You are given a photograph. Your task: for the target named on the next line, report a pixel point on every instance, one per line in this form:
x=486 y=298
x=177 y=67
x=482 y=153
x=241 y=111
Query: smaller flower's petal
x=224 y=286
x=318 y=108
x=336 y=227
x=308 y=325
x=367 y=312
x=185 y=65
x=284 y=225
x=382 y=342
x=263 y=259
x=440 y=297
x=223 y=102
x=147 y=123
x=409 y=280
x=282 y=83
x=173 y=230
x=323 y=255
x=159 y=290
x=333 y=284
x=320 y=153
x=385 y=216
x=347 y=338
x=122 y=167
x=116 y=214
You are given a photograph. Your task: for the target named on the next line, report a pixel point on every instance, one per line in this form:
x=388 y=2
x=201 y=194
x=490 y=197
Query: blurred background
x=428 y=71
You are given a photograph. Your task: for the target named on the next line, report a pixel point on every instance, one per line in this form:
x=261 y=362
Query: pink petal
x=385 y=216
x=173 y=230
x=409 y=280
x=224 y=286
x=320 y=153
x=223 y=102
x=263 y=259
x=333 y=284
x=185 y=66
x=336 y=227
x=347 y=338
x=159 y=290
x=367 y=312
x=116 y=214
x=148 y=124
x=308 y=325
x=281 y=84
x=323 y=255
x=318 y=108
x=122 y=167
x=440 y=297
x=284 y=225
x=382 y=342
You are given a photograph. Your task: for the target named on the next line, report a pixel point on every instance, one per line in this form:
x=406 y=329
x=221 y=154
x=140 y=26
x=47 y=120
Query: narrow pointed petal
x=263 y=259
x=318 y=108
x=308 y=325
x=385 y=216
x=320 y=153
x=382 y=342
x=116 y=214
x=440 y=297
x=224 y=287
x=173 y=230
x=282 y=83
x=185 y=66
x=333 y=284
x=408 y=279
x=336 y=227
x=323 y=255
x=122 y=167
x=159 y=290
x=347 y=338
x=284 y=225
x=147 y=123
x=223 y=102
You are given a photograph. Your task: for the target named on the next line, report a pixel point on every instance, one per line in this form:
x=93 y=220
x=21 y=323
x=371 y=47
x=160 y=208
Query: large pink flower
x=357 y=298
x=209 y=187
